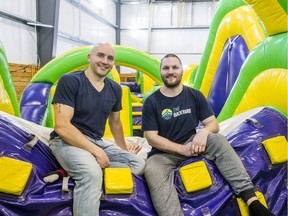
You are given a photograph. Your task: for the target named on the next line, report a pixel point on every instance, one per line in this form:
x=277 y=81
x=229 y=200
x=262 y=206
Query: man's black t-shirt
x=175 y=118
x=91 y=108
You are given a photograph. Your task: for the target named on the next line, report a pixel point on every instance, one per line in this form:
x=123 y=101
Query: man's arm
x=198 y=145
x=118 y=134
x=70 y=134
x=164 y=144
x=211 y=124
x=195 y=147
x=117 y=129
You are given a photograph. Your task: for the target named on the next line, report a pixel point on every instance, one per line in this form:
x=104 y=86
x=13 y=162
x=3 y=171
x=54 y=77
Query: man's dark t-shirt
x=91 y=108
x=175 y=118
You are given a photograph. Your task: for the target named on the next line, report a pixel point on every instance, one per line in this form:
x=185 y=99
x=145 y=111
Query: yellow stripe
x=269 y=88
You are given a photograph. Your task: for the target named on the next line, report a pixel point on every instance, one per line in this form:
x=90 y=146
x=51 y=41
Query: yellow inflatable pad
x=118 y=181
x=276 y=148
x=244 y=208
x=14 y=175
x=195 y=176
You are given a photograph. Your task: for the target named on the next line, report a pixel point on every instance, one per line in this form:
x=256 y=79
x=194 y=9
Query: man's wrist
x=207 y=131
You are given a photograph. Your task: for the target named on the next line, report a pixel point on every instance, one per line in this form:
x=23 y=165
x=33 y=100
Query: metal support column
x=48 y=13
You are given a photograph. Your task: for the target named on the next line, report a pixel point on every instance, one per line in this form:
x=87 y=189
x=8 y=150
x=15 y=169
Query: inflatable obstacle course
x=255 y=125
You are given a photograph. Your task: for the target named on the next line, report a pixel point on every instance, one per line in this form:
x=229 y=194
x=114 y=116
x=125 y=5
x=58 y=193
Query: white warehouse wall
x=77 y=23
x=181 y=28
x=19 y=40
x=157 y=28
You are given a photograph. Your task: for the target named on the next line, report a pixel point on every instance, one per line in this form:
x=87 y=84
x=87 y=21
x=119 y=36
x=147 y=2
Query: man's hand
x=134 y=149
x=187 y=150
x=102 y=158
x=198 y=144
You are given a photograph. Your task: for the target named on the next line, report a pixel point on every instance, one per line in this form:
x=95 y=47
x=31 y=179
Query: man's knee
x=216 y=145
x=149 y=169
x=157 y=168
x=139 y=170
x=218 y=140
x=91 y=175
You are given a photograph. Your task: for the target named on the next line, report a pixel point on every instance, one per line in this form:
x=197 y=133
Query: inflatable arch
x=125 y=56
x=73 y=60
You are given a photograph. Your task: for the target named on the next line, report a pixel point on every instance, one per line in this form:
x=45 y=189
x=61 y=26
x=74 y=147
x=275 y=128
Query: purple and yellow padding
x=8 y=97
x=276 y=147
x=268 y=178
x=195 y=176
x=14 y=175
x=24 y=192
x=118 y=181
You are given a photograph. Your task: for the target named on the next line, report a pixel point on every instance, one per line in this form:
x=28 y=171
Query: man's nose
x=170 y=70
x=105 y=60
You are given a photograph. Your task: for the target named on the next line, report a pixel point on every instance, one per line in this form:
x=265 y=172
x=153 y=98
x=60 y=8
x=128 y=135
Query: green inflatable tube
x=7 y=80
x=125 y=56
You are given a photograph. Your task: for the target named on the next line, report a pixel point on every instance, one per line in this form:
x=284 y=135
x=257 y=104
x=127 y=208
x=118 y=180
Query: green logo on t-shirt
x=166 y=114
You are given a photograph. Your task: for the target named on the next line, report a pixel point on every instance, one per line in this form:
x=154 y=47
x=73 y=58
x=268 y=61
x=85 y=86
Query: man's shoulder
x=72 y=75
x=112 y=83
x=113 y=87
x=154 y=94
x=191 y=90
x=153 y=98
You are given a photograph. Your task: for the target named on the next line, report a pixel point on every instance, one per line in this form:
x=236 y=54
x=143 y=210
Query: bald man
x=83 y=102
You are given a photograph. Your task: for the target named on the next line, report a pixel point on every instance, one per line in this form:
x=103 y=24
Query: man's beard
x=172 y=85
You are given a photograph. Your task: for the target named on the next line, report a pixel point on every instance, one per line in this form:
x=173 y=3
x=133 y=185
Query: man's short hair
x=170 y=55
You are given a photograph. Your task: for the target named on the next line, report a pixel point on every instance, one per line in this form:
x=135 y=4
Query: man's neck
x=97 y=82
x=171 y=92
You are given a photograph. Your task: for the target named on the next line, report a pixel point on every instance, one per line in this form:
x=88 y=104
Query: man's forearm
x=118 y=135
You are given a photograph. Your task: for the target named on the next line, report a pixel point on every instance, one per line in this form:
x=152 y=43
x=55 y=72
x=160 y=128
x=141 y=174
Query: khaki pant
x=159 y=174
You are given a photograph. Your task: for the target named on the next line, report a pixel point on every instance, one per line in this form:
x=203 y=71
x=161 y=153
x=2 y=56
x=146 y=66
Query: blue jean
x=82 y=166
